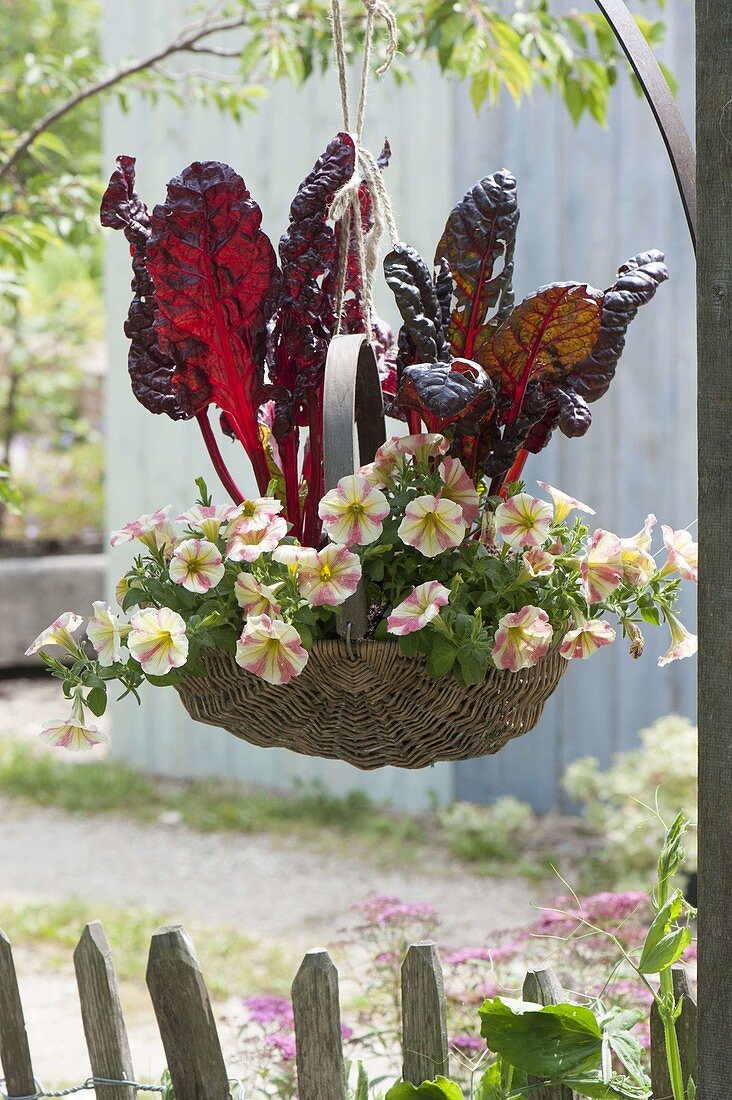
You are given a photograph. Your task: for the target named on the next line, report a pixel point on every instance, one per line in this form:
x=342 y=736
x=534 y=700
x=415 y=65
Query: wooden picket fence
x=191 y=1042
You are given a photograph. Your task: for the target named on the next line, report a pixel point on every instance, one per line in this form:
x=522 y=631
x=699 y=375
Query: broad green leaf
x=439 y=1089
x=441 y=657
x=548 y=1041
x=664 y=943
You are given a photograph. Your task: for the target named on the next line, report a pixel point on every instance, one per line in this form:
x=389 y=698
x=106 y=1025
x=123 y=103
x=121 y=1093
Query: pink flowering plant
x=466 y=581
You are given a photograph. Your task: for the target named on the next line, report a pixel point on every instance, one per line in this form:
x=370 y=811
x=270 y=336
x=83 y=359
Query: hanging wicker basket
x=363 y=701
x=373 y=709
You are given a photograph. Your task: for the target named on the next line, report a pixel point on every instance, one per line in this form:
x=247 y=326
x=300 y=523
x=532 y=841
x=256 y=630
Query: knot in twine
x=345 y=206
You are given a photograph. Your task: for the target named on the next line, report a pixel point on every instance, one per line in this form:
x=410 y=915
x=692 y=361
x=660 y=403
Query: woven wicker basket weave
x=374 y=709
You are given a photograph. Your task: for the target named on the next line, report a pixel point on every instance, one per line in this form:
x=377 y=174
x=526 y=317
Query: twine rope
x=345 y=206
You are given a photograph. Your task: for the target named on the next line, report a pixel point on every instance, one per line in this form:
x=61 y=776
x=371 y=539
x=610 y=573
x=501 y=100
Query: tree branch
x=184 y=42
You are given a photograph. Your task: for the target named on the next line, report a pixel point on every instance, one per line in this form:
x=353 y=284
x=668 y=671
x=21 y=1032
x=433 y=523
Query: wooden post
x=714 y=348
x=424 y=1015
x=321 y=1072
x=542 y=987
x=186 y=1022
x=101 y=1012
x=686 y=1032
x=14 y=1050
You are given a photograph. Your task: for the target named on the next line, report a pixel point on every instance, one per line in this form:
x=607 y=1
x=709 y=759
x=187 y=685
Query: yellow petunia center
x=326 y=573
x=249 y=508
x=355 y=509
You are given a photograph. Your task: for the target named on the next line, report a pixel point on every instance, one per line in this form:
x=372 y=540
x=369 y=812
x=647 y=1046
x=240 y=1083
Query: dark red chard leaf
x=416 y=296
x=481 y=234
x=637 y=282
x=543 y=339
x=151 y=370
x=308 y=255
x=215 y=275
x=445 y=391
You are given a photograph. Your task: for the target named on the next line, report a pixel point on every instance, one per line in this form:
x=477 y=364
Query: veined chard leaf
x=215 y=276
x=151 y=369
x=480 y=234
x=445 y=391
x=439 y=1089
x=416 y=296
x=543 y=339
x=637 y=282
x=308 y=257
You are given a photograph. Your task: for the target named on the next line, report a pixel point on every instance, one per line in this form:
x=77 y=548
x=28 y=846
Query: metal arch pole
x=661 y=101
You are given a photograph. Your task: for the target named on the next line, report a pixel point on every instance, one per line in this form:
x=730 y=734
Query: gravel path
x=268 y=888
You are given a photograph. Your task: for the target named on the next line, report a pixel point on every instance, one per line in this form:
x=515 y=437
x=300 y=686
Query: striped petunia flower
x=157 y=639
x=459 y=488
x=524 y=521
x=255 y=598
x=683 y=554
x=197 y=565
x=244 y=543
x=683 y=643
x=208 y=518
x=153 y=529
x=329 y=576
x=271 y=649
x=421 y=606
x=563 y=503
x=602 y=566
x=432 y=525
x=103 y=631
x=523 y=638
x=586 y=638
x=253 y=515
x=73 y=733
x=353 y=513
x=58 y=633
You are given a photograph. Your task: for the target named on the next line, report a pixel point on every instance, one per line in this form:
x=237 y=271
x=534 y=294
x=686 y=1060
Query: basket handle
x=351 y=394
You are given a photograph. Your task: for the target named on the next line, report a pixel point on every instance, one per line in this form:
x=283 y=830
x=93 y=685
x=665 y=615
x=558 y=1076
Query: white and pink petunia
x=644 y=537
x=432 y=525
x=524 y=521
x=523 y=638
x=683 y=554
x=536 y=562
x=248 y=545
x=586 y=638
x=253 y=515
x=255 y=598
x=73 y=734
x=353 y=513
x=208 y=518
x=563 y=503
x=291 y=554
x=58 y=633
x=421 y=606
x=422 y=446
x=152 y=529
x=197 y=565
x=638 y=565
x=328 y=576
x=271 y=649
x=157 y=639
x=602 y=566
x=103 y=631
x=683 y=643
x=460 y=489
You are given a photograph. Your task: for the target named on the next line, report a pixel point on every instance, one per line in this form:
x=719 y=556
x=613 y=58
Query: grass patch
x=233 y=964
x=108 y=787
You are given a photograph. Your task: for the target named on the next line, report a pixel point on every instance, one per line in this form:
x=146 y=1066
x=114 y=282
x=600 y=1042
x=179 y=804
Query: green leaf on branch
x=96 y=701
x=549 y=1041
x=439 y=1089
x=442 y=656
x=665 y=942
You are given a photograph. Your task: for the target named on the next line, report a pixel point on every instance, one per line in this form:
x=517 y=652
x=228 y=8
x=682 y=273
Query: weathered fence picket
x=543 y=987
x=101 y=1013
x=685 y=1031
x=191 y=1041
x=321 y=1071
x=183 y=1010
x=14 y=1050
x=424 y=1015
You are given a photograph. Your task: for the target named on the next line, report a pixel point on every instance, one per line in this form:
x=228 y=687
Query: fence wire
x=91 y=1082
